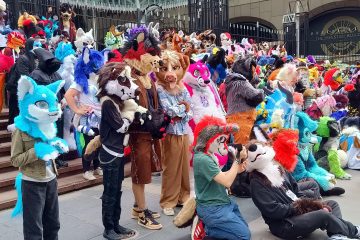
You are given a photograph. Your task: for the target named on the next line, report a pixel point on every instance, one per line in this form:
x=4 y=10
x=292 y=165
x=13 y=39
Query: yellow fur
x=186 y=214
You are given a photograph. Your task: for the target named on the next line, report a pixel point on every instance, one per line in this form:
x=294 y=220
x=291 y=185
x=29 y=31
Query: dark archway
x=253 y=28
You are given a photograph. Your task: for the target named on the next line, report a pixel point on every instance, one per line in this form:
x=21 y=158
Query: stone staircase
x=69 y=179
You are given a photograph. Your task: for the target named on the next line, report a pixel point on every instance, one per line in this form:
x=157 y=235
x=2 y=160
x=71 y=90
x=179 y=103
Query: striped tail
x=19 y=205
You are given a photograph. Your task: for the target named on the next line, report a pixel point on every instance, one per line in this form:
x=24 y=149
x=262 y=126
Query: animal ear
x=86 y=55
x=56 y=86
x=204 y=59
x=105 y=53
x=91 y=32
x=135 y=44
x=26 y=85
x=79 y=33
x=150 y=27
x=259 y=134
x=192 y=61
x=140 y=37
x=156 y=27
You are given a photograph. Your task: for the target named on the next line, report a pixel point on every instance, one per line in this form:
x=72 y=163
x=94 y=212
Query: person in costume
x=219 y=214
x=34 y=148
x=146 y=154
x=46 y=73
x=354 y=97
x=24 y=65
x=176 y=102
x=242 y=98
x=81 y=98
x=115 y=86
x=285 y=209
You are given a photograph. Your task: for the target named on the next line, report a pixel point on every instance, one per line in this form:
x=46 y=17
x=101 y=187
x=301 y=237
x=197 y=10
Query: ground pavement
x=80 y=215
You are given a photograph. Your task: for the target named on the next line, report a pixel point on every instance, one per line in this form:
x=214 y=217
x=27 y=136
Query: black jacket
x=24 y=65
x=46 y=73
x=275 y=206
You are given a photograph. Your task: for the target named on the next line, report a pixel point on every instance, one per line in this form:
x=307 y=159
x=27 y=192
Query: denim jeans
x=224 y=221
x=113 y=169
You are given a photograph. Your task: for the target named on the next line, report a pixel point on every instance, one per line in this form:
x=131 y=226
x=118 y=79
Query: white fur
x=130 y=108
x=262 y=161
x=51 y=156
x=126 y=140
x=83 y=37
x=114 y=88
x=48 y=130
x=259 y=135
x=2 y=5
x=43 y=115
x=24 y=86
x=124 y=128
x=61 y=145
x=199 y=93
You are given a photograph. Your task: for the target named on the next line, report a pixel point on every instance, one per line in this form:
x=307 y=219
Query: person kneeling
x=219 y=214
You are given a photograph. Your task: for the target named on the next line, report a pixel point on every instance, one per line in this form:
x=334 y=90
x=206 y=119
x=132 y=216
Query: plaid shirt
x=170 y=103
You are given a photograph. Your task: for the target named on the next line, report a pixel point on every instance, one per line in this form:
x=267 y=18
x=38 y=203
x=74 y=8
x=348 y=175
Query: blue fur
x=307 y=166
x=63 y=50
x=220 y=69
x=83 y=70
x=42 y=149
x=25 y=121
x=19 y=206
x=338 y=115
x=30 y=95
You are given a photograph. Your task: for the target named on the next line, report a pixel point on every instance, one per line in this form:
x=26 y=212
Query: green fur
x=323 y=130
x=334 y=163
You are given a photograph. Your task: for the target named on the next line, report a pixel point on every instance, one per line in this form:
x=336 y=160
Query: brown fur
x=303 y=206
x=186 y=215
x=207 y=38
x=93 y=146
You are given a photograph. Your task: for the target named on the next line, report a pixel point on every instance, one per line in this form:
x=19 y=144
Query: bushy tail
x=19 y=205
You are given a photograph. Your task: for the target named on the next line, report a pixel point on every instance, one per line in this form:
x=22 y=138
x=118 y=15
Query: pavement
x=80 y=214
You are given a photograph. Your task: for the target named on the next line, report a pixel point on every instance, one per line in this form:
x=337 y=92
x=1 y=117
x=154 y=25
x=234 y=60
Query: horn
x=289 y=96
x=267 y=91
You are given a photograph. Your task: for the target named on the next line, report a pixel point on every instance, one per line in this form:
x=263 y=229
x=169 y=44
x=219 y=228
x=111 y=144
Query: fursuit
x=116 y=83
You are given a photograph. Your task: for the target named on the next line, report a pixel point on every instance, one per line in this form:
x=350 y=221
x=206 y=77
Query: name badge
x=291 y=195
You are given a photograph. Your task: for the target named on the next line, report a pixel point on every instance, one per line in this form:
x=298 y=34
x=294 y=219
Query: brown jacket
x=23 y=156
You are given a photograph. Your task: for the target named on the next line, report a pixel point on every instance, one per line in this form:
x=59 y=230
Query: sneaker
x=147 y=221
x=136 y=212
x=197 y=229
x=98 y=171
x=169 y=211
x=112 y=235
x=88 y=175
x=339 y=237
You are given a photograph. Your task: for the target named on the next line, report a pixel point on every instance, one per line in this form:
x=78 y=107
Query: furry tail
x=19 y=206
x=186 y=215
x=93 y=145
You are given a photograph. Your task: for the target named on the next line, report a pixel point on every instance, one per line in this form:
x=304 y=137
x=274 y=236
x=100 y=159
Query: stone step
x=5 y=149
x=5 y=136
x=8 y=178
x=4 y=114
x=65 y=185
x=3 y=124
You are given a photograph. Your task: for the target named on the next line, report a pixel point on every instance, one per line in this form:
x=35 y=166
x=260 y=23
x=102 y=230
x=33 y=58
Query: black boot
x=112 y=235
x=60 y=163
x=124 y=231
x=336 y=191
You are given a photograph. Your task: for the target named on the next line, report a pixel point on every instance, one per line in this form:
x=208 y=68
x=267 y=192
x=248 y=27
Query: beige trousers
x=175 y=187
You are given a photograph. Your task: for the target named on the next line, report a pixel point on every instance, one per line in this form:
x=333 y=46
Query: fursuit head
x=142 y=53
x=39 y=110
x=84 y=39
x=203 y=94
x=87 y=67
x=116 y=84
x=261 y=164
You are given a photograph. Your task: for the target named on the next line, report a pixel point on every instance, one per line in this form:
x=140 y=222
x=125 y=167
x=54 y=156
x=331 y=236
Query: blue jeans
x=224 y=221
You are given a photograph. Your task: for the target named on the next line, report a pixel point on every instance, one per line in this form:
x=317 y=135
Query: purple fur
x=311 y=59
x=135 y=31
x=83 y=70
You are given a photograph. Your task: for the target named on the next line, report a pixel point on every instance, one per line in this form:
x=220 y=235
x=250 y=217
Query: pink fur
x=202 y=68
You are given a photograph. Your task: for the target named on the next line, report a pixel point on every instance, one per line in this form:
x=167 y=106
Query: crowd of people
x=251 y=120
